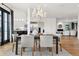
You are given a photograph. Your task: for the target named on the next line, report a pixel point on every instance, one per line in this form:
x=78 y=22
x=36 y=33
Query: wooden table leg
x=56 y=45
x=16 y=51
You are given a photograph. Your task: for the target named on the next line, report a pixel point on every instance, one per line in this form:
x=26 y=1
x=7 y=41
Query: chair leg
x=39 y=45
x=41 y=51
x=52 y=51
x=35 y=44
x=60 y=47
x=33 y=50
x=13 y=48
x=21 y=51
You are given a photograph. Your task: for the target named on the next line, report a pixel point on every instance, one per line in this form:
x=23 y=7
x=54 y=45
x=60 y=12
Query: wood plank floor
x=5 y=48
x=71 y=44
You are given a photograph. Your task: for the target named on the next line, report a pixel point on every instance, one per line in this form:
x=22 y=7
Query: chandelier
x=38 y=13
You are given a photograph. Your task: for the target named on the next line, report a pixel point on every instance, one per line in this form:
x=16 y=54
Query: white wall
x=19 y=19
x=50 y=25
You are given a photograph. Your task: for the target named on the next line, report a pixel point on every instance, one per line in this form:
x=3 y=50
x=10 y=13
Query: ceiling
x=52 y=9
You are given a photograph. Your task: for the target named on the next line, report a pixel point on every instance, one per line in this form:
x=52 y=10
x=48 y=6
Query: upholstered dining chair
x=27 y=41
x=46 y=41
x=59 y=41
x=14 y=36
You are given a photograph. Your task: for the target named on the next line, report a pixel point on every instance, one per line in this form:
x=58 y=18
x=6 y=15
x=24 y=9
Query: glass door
x=0 y=27
x=4 y=26
x=6 y=30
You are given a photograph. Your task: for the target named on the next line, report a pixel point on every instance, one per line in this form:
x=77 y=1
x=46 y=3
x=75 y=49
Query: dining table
x=56 y=38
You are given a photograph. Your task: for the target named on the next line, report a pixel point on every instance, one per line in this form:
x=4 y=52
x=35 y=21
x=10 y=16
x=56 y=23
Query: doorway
x=4 y=26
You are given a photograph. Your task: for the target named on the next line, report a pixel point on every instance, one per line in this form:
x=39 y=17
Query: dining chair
x=14 y=36
x=46 y=41
x=73 y=33
x=27 y=41
x=59 y=41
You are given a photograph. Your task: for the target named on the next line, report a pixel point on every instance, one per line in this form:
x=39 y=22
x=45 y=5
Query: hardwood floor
x=5 y=48
x=71 y=44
